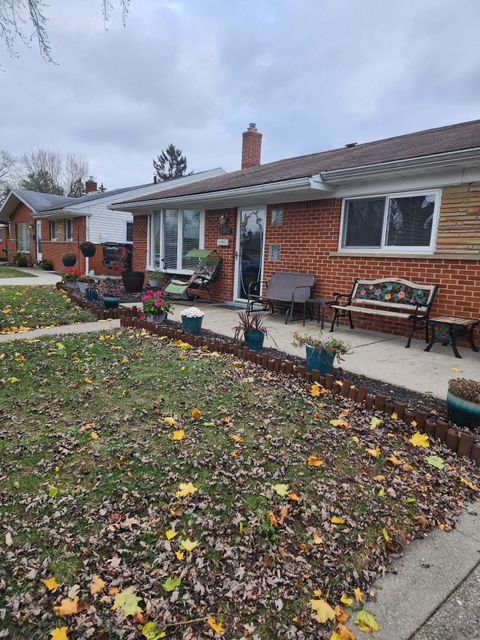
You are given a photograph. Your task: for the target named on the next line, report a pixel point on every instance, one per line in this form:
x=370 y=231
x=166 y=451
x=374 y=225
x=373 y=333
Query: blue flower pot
x=463 y=412
x=319 y=359
x=254 y=340
x=192 y=325
x=110 y=302
x=91 y=294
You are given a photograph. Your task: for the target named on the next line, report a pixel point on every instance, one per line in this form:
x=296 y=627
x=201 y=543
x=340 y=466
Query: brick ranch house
x=407 y=206
x=44 y=226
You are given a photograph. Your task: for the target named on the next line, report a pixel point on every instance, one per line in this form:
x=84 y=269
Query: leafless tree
x=7 y=163
x=26 y=20
x=75 y=171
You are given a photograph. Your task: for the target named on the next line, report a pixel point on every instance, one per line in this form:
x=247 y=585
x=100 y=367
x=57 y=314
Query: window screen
x=363 y=223
x=410 y=221
x=170 y=238
x=191 y=237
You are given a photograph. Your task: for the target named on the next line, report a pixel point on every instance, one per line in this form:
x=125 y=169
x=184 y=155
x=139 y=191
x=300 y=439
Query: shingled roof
x=457 y=137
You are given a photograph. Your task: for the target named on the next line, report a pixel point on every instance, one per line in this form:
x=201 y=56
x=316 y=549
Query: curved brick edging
x=460 y=442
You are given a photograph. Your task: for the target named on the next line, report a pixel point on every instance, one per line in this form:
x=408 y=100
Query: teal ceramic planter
x=463 y=412
x=320 y=360
x=192 y=325
x=254 y=340
x=110 y=302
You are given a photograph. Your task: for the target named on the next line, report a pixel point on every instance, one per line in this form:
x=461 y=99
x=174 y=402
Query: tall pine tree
x=171 y=164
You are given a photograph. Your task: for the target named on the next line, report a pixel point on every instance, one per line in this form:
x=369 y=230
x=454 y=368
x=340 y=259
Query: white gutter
x=260 y=190
x=437 y=161
x=60 y=213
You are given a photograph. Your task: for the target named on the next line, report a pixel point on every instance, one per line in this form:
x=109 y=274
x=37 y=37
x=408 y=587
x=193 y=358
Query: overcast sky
x=313 y=75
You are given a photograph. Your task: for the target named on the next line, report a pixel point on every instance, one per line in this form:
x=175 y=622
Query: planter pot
x=70 y=262
x=88 y=252
x=158 y=318
x=82 y=287
x=91 y=294
x=110 y=302
x=133 y=281
x=192 y=325
x=154 y=282
x=254 y=339
x=463 y=412
x=71 y=284
x=319 y=359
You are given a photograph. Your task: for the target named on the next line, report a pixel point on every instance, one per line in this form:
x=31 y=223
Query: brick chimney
x=90 y=186
x=251 y=147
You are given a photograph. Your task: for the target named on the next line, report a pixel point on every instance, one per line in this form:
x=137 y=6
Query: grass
x=24 y=308
x=9 y=272
x=90 y=474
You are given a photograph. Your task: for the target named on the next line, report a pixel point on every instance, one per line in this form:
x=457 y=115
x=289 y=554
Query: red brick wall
x=3 y=241
x=22 y=214
x=222 y=287
x=54 y=250
x=140 y=240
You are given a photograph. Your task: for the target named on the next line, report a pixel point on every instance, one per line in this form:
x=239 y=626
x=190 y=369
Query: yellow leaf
x=324 y=612
x=51 y=583
x=280 y=489
x=385 y=534
x=356 y=439
x=13 y=380
x=178 y=435
x=188 y=545
x=170 y=534
x=67 y=607
x=375 y=422
x=317 y=593
x=94 y=435
x=394 y=460
x=413 y=424
x=419 y=440
x=381 y=492
x=343 y=424
x=293 y=496
x=315 y=390
x=313 y=461
x=60 y=633
x=88 y=381
x=375 y=453
x=379 y=478
x=394 y=415
x=468 y=484
x=97 y=585
x=456 y=369
x=196 y=413
x=180 y=555
x=127 y=601
x=358 y=595
x=216 y=626
x=185 y=489
x=236 y=439
x=346 y=600
x=337 y=520
x=366 y=622
x=317 y=538
x=341 y=632
x=125 y=360
x=170 y=421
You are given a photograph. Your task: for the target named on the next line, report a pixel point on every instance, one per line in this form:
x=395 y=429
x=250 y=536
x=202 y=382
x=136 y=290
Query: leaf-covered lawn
x=182 y=494
x=9 y=272
x=24 y=308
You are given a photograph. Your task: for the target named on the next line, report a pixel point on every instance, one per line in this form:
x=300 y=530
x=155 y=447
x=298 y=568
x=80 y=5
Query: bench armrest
x=304 y=286
x=339 y=295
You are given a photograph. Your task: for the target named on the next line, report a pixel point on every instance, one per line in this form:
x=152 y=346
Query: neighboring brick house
x=407 y=206
x=44 y=226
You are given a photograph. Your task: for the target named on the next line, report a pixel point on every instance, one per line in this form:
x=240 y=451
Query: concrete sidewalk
x=376 y=355
x=79 y=327
x=38 y=278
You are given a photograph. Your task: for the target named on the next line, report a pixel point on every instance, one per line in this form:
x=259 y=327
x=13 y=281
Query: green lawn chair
x=205 y=273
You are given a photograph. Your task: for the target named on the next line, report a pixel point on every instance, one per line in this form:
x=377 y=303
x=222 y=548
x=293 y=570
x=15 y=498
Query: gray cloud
x=313 y=74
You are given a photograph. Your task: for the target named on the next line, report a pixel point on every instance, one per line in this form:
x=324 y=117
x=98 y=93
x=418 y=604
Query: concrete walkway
x=79 y=327
x=377 y=355
x=38 y=278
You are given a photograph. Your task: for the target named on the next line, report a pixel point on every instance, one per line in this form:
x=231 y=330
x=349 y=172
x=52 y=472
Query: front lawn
x=23 y=308
x=178 y=493
x=9 y=272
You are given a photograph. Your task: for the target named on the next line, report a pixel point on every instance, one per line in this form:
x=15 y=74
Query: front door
x=38 y=238
x=250 y=243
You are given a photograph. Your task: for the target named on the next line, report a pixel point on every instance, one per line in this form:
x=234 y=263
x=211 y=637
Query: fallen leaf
x=67 y=607
x=324 y=612
x=343 y=424
x=346 y=600
x=456 y=369
x=94 y=435
x=97 y=585
x=366 y=622
x=375 y=422
x=468 y=484
x=188 y=545
x=51 y=583
x=394 y=460
x=8 y=539
x=149 y=631
x=385 y=534
x=180 y=555
x=127 y=601
x=178 y=435
x=375 y=453
x=379 y=478
x=341 y=632
x=337 y=520
x=317 y=538
x=293 y=496
x=358 y=595
x=170 y=534
x=313 y=461
x=435 y=461
x=280 y=489
x=196 y=413
x=60 y=633
x=340 y=614
x=185 y=489
x=394 y=415
x=419 y=440
x=237 y=439
x=216 y=626
x=171 y=584
x=171 y=422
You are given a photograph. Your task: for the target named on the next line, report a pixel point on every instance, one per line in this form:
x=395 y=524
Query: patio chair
x=205 y=273
x=284 y=290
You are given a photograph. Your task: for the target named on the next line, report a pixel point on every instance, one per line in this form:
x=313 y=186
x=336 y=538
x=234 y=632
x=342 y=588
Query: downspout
x=87 y=238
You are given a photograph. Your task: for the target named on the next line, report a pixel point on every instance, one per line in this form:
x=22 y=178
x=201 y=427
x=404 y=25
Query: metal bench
x=391 y=298
x=284 y=290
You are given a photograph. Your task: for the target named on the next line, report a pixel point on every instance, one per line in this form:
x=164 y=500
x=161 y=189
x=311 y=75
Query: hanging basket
x=88 y=249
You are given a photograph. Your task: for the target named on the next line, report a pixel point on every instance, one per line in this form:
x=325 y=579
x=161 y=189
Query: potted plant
x=253 y=329
x=321 y=353
x=133 y=281
x=463 y=402
x=69 y=259
x=111 y=297
x=71 y=277
x=156 y=278
x=156 y=306
x=91 y=292
x=88 y=249
x=83 y=283
x=192 y=319
x=46 y=265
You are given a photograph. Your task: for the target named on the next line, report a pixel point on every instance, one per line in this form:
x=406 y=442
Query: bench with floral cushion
x=388 y=297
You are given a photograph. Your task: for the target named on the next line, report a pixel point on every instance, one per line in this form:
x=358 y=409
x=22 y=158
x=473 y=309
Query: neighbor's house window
x=23 y=237
x=174 y=232
x=68 y=230
x=397 y=222
x=129 y=232
x=53 y=229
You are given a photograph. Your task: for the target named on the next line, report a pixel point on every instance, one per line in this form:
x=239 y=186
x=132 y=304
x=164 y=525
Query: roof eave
x=55 y=214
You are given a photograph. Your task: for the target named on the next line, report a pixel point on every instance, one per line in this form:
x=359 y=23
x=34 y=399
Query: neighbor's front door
x=249 y=254
x=38 y=238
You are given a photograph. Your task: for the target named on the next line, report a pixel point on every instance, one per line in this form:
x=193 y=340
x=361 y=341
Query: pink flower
x=401 y=294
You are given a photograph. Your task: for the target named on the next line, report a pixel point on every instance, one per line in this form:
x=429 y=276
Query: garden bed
x=193 y=491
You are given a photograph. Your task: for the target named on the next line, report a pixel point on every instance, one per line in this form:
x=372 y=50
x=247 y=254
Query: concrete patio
x=377 y=355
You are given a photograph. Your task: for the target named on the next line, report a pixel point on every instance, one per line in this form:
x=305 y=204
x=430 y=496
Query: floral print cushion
x=391 y=292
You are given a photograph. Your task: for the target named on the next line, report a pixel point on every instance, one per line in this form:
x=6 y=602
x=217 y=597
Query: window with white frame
x=53 y=229
x=68 y=230
x=23 y=237
x=173 y=233
x=394 y=222
x=129 y=232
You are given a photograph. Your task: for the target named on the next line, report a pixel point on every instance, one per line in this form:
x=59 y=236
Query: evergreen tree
x=101 y=188
x=76 y=189
x=42 y=181
x=171 y=164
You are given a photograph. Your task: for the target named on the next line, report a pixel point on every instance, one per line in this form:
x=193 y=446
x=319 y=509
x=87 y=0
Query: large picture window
x=397 y=222
x=173 y=233
x=23 y=237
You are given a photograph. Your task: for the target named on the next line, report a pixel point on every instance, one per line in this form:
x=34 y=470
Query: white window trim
x=67 y=220
x=27 y=250
x=53 y=238
x=151 y=250
x=389 y=248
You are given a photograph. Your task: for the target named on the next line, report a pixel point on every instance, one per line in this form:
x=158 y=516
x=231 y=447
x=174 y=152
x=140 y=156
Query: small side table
x=319 y=304
x=447 y=329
